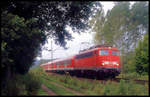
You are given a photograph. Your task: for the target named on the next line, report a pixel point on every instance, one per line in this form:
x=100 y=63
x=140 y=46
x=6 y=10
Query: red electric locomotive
x=99 y=61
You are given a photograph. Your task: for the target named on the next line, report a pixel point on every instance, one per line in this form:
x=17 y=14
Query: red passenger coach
x=99 y=61
x=66 y=64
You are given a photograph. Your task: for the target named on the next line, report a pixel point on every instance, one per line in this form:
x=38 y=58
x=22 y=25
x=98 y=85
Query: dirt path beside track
x=50 y=92
x=68 y=89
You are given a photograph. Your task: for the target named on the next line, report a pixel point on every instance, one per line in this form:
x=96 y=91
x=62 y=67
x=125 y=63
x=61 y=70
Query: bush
x=132 y=75
x=27 y=84
x=13 y=88
x=32 y=84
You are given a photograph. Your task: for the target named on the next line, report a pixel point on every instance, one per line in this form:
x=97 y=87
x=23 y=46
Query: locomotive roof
x=97 y=48
x=63 y=59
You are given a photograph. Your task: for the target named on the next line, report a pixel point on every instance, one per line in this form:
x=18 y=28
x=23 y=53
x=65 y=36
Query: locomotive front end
x=109 y=61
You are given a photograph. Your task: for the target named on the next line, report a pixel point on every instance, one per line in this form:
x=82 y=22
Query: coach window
x=70 y=62
x=57 y=63
x=61 y=63
x=52 y=64
x=66 y=62
x=103 y=52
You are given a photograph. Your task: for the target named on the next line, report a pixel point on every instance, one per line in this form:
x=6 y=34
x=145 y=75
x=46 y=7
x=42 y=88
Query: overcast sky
x=75 y=45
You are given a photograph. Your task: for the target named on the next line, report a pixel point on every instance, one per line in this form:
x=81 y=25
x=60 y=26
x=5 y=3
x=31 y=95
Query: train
x=99 y=61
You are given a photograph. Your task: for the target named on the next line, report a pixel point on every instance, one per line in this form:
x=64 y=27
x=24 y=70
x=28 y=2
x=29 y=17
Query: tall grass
x=95 y=87
x=124 y=88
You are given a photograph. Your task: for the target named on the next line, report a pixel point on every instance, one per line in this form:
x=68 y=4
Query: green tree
x=141 y=59
x=25 y=26
x=53 y=17
x=20 y=45
x=122 y=27
x=109 y=28
x=20 y=42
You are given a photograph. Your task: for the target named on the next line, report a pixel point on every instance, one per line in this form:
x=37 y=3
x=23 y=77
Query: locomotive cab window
x=116 y=53
x=103 y=52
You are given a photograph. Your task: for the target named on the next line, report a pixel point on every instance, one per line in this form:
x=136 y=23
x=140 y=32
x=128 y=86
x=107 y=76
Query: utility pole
x=51 y=52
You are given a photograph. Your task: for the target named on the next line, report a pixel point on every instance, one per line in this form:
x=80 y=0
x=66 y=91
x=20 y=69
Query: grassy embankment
x=90 y=88
x=133 y=76
x=43 y=78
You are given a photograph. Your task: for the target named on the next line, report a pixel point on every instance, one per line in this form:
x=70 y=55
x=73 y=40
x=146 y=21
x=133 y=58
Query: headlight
x=103 y=64
x=106 y=62
x=114 y=62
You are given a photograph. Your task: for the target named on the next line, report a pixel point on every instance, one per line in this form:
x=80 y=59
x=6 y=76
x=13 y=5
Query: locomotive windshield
x=116 y=53
x=103 y=52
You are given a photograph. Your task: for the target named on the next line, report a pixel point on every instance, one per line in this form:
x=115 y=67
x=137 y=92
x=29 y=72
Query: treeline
x=125 y=26
x=25 y=26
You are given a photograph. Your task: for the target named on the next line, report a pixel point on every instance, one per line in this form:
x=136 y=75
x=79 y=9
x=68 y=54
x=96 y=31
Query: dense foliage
x=138 y=60
x=25 y=26
x=141 y=58
x=53 y=17
x=20 y=45
x=20 y=42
